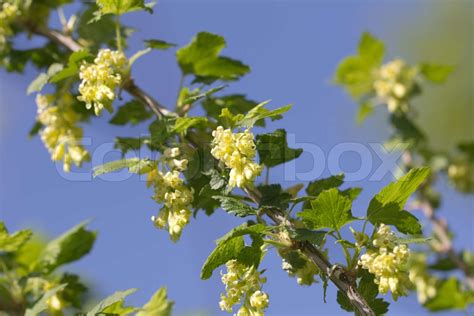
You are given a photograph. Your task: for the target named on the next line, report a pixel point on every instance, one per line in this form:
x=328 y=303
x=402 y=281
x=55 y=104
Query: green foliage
x=369 y=291
x=316 y=237
x=387 y=205
x=72 y=67
x=70 y=246
x=330 y=210
x=436 y=73
x=11 y=242
x=126 y=144
x=235 y=206
x=273 y=149
x=224 y=252
x=119 y=7
x=118 y=296
x=274 y=196
x=259 y=112
x=201 y=58
x=190 y=99
x=158 y=305
x=182 y=124
x=158 y=44
x=134 y=165
x=132 y=112
x=43 y=78
x=450 y=295
x=235 y=104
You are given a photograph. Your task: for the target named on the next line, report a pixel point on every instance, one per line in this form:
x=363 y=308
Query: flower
x=8 y=12
x=425 y=284
x=61 y=134
x=243 y=286
x=171 y=191
x=387 y=262
x=100 y=80
x=394 y=81
x=237 y=152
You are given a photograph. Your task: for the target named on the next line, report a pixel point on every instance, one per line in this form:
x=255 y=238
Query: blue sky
x=293 y=48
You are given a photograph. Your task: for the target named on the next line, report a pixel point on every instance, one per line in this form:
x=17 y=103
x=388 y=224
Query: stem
x=267 y=175
x=346 y=252
x=118 y=35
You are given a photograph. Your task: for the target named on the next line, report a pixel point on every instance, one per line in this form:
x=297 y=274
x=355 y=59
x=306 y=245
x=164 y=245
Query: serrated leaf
x=449 y=296
x=330 y=210
x=69 y=247
x=371 y=49
x=235 y=206
x=126 y=144
x=182 y=124
x=222 y=253
x=260 y=112
x=194 y=98
x=314 y=188
x=436 y=73
x=42 y=304
x=134 y=165
x=110 y=300
x=72 y=67
x=384 y=206
x=316 y=237
x=119 y=7
x=158 y=44
x=158 y=305
x=273 y=148
x=11 y=243
x=274 y=196
x=118 y=308
x=133 y=112
x=247 y=228
x=201 y=58
x=235 y=104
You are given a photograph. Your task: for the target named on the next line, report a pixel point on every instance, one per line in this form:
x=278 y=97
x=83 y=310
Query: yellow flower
x=101 y=79
x=243 y=286
x=425 y=284
x=237 y=152
x=61 y=134
x=387 y=262
x=8 y=12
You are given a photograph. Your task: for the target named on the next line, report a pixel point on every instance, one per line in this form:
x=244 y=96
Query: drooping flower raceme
x=62 y=136
x=171 y=191
x=387 y=261
x=101 y=79
x=395 y=80
x=8 y=12
x=243 y=286
x=425 y=284
x=236 y=151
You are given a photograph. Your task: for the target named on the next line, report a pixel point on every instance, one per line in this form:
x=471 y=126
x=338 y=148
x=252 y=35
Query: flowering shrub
x=202 y=163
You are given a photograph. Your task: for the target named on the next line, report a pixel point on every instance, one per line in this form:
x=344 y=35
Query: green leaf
x=369 y=290
x=110 y=300
x=449 y=295
x=118 y=308
x=194 y=98
x=436 y=73
x=134 y=165
x=365 y=110
x=273 y=149
x=35 y=129
x=133 y=112
x=316 y=187
x=11 y=243
x=159 y=132
x=384 y=206
x=69 y=247
x=235 y=206
x=316 y=237
x=235 y=104
x=158 y=305
x=182 y=124
x=158 y=44
x=72 y=67
x=43 y=78
x=330 y=209
x=224 y=252
x=274 y=196
x=247 y=228
x=119 y=7
x=259 y=112
x=74 y=291
x=355 y=75
x=126 y=144
x=352 y=193
x=201 y=58
x=371 y=49
x=99 y=32
x=42 y=304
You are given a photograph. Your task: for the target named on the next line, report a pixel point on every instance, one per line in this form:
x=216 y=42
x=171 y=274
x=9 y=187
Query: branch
x=341 y=279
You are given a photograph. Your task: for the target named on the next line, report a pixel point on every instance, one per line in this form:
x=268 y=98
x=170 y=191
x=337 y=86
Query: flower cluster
x=243 y=286
x=171 y=191
x=395 y=80
x=61 y=135
x=237 y=152
x=8 y=12
x=424 y=283
x=387 y=262
x=100 y=79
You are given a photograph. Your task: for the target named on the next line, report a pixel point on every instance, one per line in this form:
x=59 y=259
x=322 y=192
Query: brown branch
x=341 y=279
